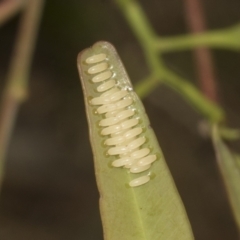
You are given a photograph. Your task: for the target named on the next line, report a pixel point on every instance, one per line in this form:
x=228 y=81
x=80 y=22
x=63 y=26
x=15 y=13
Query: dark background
x=49 y=191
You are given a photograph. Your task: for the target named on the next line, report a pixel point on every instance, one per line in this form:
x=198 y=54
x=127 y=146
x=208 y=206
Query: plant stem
x=226 y=39
x=146 y=36
x=195 y=19
x=207 y=108
x=16 y=88
x=9 y=8
x=144 y=87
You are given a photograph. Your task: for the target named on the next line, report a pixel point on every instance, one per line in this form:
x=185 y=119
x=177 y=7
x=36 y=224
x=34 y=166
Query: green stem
x=229 y=133
x=144 y=87
x=17 y=80
x=226 y=38
x=143 y=30
x=201 y=104
x=134 y=13
x=195 y=98
x=140 y=25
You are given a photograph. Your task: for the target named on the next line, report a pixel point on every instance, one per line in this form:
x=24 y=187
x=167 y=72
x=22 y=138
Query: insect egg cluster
x=119 y=123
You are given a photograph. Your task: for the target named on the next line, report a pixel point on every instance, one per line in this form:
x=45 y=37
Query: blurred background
x=49 y=191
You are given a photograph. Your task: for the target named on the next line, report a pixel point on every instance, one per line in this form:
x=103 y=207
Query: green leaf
x=153 y=211
x=229 y=164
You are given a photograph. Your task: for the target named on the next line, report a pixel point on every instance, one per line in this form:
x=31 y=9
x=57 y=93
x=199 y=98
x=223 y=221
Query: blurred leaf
x=229 y=164
x=153 y=211
x=237 y=157
x=229 y=133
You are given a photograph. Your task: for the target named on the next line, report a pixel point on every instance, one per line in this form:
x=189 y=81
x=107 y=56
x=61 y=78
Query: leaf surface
x=153 y=211
x=229 y=164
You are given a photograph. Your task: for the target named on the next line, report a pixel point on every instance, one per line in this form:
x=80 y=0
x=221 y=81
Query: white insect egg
x=106 y=86
x=112 y=107
x=123 y=137
x=115 y=140
x=118 y=95
x=122 y=126
x=136 y=143
x=111 y=114
x=109 y=92
x=108 y=121
x=147 y=160
x=99 y=101
x=125 y=114
x=132 y=133
x=117 y=118
x=111 y=129
x=139 y=181
x=116 y=101
x=124 y=103
x=121 y=162
x=140 y=153
x=118 y=150
x=129 y=123
x=127 y=148
x=98 y=68
x=96 y=58
x=107 y=108
x=102 y=76
x=118 y=133
x=109 y=98
x=130 y=164
x=137 y=169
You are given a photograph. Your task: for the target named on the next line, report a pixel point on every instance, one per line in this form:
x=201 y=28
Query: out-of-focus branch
x=227 y=38
x=196 y=22
x=158 y=71
x=146 y=85
x=16 y=85
x=9 y=8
